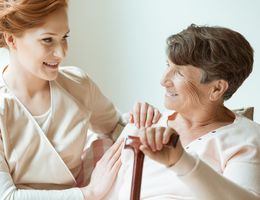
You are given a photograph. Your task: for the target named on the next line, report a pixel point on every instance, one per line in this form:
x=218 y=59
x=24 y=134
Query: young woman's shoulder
x=76 y=83
x=73 y=73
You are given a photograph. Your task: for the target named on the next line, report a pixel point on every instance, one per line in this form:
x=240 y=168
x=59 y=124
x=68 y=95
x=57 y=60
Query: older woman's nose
x=166 y=81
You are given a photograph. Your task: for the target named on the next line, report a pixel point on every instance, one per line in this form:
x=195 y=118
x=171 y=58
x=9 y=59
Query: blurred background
x=121 y=43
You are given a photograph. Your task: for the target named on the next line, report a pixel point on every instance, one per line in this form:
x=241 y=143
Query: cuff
x=185 y=165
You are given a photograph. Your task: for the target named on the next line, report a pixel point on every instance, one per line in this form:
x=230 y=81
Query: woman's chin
x=169 y=105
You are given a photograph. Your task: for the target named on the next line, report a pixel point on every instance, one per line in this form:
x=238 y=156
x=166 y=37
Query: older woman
x=218 y=154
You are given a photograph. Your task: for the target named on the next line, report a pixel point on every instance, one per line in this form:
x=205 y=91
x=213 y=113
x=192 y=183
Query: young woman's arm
x=101 y=181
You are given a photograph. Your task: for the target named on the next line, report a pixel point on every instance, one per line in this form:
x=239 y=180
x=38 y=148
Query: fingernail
x=137 y=125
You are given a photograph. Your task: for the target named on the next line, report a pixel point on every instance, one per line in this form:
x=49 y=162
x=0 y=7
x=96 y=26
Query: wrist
x=175 y=158
x=87 y=193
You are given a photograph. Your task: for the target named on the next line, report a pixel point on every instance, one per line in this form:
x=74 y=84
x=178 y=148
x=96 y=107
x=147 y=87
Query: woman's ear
x=219 y=87
x=10 y=40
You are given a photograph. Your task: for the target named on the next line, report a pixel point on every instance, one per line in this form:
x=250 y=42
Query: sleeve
x=8 y=190
x=104 y=116
x=239 y=181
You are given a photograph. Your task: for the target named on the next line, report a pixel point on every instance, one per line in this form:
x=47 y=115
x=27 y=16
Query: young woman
x=46 y=110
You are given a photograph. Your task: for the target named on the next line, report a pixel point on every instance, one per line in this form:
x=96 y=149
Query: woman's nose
x=166 y=81
x=60 y=51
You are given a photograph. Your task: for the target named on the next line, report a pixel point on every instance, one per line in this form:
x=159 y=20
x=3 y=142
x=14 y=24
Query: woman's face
x=39 y=51
x=184 y=92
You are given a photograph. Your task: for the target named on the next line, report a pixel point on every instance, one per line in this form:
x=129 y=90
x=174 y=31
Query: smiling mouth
x=52 y=65
x=171 y=94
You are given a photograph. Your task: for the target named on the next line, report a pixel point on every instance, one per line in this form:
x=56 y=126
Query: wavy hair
x=16 y=16
x=219 y=52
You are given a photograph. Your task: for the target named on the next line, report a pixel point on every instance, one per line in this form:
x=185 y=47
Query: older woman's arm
x=239 y=181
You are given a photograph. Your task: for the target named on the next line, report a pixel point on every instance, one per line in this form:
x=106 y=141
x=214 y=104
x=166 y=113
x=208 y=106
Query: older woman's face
x=184 y=92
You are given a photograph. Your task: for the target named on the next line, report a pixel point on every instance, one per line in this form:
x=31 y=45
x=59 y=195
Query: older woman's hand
x=105 y=173
x=154 y=142
x=144 y=115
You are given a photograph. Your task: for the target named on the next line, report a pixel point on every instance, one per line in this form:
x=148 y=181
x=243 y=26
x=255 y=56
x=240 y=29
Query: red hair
x=16 y=16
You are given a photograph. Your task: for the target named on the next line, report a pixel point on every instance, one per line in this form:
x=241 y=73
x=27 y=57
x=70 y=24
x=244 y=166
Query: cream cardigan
x=35 y=165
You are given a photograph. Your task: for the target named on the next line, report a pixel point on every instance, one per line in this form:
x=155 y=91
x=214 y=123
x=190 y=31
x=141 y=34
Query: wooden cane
x=133 y=142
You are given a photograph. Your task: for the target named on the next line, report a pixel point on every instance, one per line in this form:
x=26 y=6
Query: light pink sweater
x=221 y=165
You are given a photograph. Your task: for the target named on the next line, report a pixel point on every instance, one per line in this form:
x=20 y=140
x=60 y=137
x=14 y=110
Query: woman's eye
x=179 y=73
x=47 y=40
x=65 y=37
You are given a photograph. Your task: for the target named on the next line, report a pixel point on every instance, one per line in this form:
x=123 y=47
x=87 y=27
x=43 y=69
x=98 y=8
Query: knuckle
x=144 y=105
x=143 y=113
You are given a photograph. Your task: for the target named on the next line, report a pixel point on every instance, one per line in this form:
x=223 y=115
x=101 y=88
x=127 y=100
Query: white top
x=221 y=165
x=44 y=120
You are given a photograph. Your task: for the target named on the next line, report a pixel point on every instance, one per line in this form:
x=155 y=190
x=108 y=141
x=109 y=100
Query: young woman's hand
x=105 y=172
x=144 y=115
x=154 y=142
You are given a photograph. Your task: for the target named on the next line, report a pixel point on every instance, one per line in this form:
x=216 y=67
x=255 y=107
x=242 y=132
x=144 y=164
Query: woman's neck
x=30 y=91
x=197 y=123
x=207 y=116
x=23 y=82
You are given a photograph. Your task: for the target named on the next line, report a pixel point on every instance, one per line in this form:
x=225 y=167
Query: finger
x=116 y=156
x=143 y=138
x=158 y=138
x=136 y=112
x=143 y=114
x=117 y=144
x=157 y=116
x=167 y=134
x=149 y=117
x=150 y=135
x=131 y=118
x=115 y=169
x=117 y=165
x=147 y=151
x=115 y=147
x=117 y=152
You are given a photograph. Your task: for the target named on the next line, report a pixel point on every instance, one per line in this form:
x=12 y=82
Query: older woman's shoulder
x=243 y=122
x=242 y=130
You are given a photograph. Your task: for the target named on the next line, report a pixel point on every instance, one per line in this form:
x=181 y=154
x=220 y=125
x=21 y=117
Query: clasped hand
x=154 y=142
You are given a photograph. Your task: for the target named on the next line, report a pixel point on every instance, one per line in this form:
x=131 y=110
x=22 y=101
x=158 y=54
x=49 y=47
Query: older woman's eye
x=179 y=73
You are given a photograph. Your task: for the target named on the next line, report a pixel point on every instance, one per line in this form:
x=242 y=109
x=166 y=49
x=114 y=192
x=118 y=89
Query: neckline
x=238 y=117
x=42 y=115
x=172 y=117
